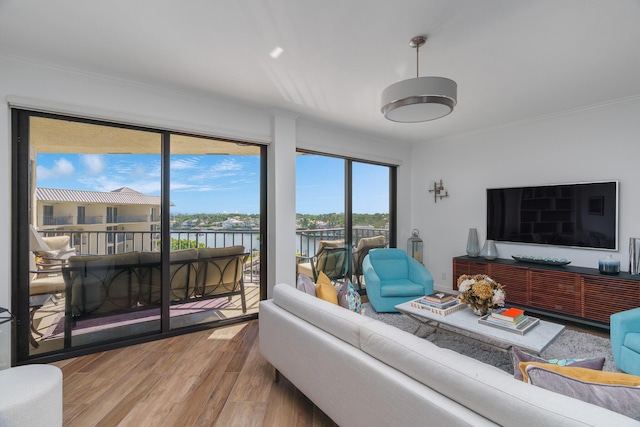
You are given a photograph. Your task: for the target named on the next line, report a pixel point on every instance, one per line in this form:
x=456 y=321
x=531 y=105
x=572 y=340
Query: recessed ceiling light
x=275 y=53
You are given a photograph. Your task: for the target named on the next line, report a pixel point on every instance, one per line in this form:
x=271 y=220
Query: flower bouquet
x=480 y=292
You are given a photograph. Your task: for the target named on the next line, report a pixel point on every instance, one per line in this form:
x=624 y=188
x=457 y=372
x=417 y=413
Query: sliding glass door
x=342 y=202
x=94 y=205
x=371 y=212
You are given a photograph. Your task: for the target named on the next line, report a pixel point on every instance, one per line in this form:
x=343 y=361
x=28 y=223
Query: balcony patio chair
x=331 y=259
x=48 y=256
x=362 y=250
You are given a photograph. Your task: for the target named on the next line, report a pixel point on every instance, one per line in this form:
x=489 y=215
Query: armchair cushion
x=402 y=288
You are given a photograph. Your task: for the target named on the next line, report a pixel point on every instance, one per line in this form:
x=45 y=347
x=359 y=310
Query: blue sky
x=217 y=184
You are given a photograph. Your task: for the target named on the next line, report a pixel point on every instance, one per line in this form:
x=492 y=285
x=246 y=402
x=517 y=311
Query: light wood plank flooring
x=215 y=377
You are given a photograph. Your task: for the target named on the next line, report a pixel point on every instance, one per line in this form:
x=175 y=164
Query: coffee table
x=465 y=323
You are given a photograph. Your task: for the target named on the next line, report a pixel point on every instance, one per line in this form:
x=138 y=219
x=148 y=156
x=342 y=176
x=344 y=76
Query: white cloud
x=227 y=165
x=61 y=167
x=181 y=164
x=94 y=163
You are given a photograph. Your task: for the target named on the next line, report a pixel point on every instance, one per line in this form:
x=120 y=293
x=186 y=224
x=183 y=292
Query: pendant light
x=420 y=99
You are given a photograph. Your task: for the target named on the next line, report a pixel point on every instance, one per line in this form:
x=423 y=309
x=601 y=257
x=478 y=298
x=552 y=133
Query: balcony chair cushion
x=325 y=289
x=612 y=390
x=104 y=283
x=219 y=270
x=596 y=363
x=181 y=272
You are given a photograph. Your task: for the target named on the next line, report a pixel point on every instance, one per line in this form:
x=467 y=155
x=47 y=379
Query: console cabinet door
x=463 y=266
x=515 y=281
x=601 y=297
x=556 y=291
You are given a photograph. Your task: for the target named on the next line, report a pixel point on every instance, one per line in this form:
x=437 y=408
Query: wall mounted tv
x=583 y=215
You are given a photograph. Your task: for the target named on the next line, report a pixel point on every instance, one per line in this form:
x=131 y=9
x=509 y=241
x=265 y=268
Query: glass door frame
x=21 y=217
x=348 y=199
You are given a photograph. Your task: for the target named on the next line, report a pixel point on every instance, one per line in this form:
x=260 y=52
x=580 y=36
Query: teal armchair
x=392 y=277
x=625 y=340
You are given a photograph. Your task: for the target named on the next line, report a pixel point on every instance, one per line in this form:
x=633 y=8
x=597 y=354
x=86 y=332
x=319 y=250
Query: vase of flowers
x=480 y=292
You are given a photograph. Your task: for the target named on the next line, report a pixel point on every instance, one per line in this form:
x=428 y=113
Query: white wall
x=595 y=144
x=64 y=91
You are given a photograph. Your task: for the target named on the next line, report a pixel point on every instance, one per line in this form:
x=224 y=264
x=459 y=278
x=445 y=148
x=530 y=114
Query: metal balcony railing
x=112 y=242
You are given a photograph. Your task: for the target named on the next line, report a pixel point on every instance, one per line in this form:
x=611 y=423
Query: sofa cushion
x=612 y=390
x=520 y=356
x=400 y=288
x=325 y=289
x=482 y=388
x=331 y=318
x=632 y=341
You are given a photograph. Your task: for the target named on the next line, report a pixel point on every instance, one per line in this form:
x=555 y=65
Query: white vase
x=489 y=250
x=473 y=247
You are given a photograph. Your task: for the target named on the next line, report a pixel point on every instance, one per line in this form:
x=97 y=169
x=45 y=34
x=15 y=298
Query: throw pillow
x=349 y=298
x=305 y=284
x=325 y=289
x=612 y=390
x=520 y=356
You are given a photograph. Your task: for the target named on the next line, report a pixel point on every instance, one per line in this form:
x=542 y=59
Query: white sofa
x=362 y=372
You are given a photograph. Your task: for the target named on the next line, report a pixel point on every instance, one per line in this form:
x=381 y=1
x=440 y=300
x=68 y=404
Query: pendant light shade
x=420 y=99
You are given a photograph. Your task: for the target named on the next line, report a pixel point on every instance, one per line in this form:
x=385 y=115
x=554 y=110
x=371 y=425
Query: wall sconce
x=438 y=191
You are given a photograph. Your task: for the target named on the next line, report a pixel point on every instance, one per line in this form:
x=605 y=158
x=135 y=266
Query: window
x=47 y=215
x=112 y=215
x=81 y=217
x=124 y=191
x=349 y=201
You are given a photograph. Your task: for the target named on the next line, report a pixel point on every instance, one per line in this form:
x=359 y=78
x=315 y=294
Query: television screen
x=582 y=215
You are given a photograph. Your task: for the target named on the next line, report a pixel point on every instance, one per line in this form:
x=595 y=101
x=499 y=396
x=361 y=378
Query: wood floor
x=209 y=378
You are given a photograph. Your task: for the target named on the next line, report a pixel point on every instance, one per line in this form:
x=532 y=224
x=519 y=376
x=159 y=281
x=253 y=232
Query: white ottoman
x=31 y=395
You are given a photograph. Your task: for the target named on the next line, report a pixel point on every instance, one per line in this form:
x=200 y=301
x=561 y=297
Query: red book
x=510 y=314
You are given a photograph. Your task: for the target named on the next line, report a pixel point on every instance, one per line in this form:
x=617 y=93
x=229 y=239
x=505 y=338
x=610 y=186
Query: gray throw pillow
x=596 y=363
x=618 y=398
x=305 y=284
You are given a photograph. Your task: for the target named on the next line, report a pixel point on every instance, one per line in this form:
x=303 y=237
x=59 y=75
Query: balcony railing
x=96 y=219
x=57 y=220
x=113 y=242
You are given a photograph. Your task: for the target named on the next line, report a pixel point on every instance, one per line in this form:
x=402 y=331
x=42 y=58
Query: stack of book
x=438 y=303
x=510 y=319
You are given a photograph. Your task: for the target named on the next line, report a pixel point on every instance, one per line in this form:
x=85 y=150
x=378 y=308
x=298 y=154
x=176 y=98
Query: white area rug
x=570 y=344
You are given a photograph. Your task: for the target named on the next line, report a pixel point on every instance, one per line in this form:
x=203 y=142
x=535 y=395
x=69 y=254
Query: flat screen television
x=583 y=215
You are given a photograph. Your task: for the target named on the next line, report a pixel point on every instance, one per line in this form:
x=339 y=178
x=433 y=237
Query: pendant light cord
x=417 y=61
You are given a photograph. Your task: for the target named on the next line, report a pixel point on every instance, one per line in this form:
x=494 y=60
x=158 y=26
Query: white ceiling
x=513 y=60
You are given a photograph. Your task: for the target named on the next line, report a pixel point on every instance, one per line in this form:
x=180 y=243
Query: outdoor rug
x=95 y=324
x=570 y=344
